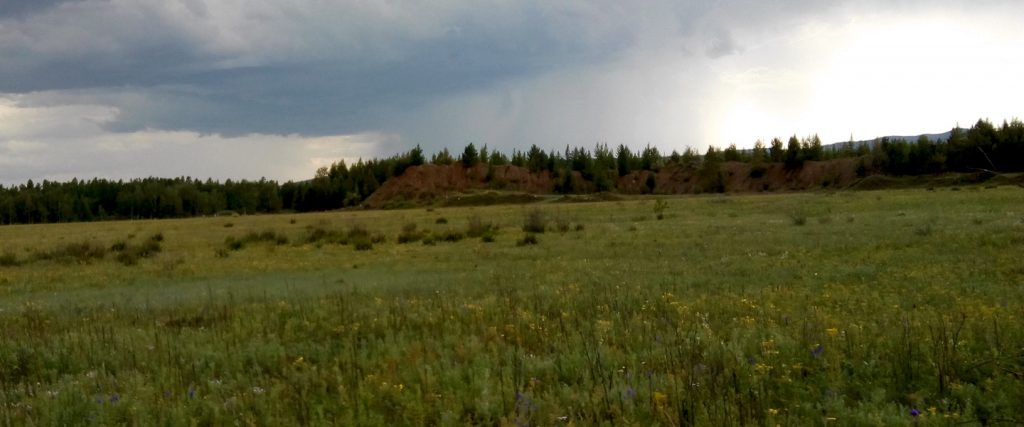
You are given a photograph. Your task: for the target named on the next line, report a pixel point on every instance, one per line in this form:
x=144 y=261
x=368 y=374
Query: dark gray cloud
x=270 y=69
x=21 y=8
x=441 y=73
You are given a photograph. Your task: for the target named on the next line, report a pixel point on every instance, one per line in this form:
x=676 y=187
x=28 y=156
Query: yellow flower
x=773 y=411
x=660 y=399
x=832 y=332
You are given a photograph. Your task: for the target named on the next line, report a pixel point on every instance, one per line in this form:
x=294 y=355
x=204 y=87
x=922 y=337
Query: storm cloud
x=270 y=75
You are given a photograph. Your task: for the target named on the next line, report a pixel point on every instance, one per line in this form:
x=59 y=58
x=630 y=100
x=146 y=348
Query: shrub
x=534 y=222
x=798 y=218
x=131 y=254
x=579 y=227
x=78 y=252
x=9 y=259
x=528 y=239
x=487 y=238
x=220 y=253
x=409 y=233
x=561 y=225
x=233 y=244
x=478 y=227
x=441 y=220
x=659 y=208
x=363 y=244
x=229 y=224
x=449 y=236
x=119 y=246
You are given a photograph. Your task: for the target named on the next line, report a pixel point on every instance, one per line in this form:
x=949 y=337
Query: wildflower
x=773 y=411
x=660 y=399
x=114 y=398
x=933 y=410
x=817 y=351
x=191 y=393
x=915 y=412
x=258 y=390
x=629 y=393
x=832 y=332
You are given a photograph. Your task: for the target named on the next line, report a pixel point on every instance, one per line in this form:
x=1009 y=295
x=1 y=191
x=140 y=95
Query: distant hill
x=934 y=137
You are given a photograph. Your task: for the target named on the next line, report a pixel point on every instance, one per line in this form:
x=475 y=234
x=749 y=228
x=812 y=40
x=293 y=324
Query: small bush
x=478 y=227
x=441 y=220
x=220 y=253
x=409 y=233
x=158 y=237
x=119 y=246
x=9 y=259
x=131 y=255
x=428 y=240
x=923 y=230
x=449 y=236
x=561 y=225
x=659 y=208
x=229 y=224
x=487 y=238
x=233 y=244
x=534 y=222
x=363 y=244
x=528 y=239
x=320 y=235
x=579 y=227
x=798 y=218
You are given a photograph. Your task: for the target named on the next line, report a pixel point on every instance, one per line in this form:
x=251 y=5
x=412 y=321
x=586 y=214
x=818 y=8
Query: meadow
x=897 y=307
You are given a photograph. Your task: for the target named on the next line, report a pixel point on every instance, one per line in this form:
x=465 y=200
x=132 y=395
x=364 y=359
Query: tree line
x=983 y=146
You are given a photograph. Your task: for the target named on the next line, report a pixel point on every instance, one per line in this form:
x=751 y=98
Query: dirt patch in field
x=427 y=184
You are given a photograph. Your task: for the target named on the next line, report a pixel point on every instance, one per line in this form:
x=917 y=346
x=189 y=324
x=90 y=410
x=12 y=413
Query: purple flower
x=629 y=393
x=817 y=351
x=191 y=393
x=914 y=412
x=114 y=398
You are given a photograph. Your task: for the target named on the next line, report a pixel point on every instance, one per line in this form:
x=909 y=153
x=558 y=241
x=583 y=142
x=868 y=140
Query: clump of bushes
x=9 y=259
x=131 y=254
x=441 y=220
x=80 y=252
x=528 y=239
x=449 y=236
x=534 y=222
x=232 y=243
x=410 y=233
x=357 y=235
x=798 y=218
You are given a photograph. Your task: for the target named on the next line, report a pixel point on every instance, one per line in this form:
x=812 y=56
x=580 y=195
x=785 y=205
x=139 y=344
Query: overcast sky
x=276 y=88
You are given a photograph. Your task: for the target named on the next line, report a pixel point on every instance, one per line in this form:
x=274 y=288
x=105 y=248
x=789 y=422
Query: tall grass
x=711 y=316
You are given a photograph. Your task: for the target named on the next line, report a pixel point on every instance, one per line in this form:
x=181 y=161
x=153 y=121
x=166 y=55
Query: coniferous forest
x=983 y=146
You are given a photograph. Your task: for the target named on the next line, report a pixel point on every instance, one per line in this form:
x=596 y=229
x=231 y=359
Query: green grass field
x=849 y=308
